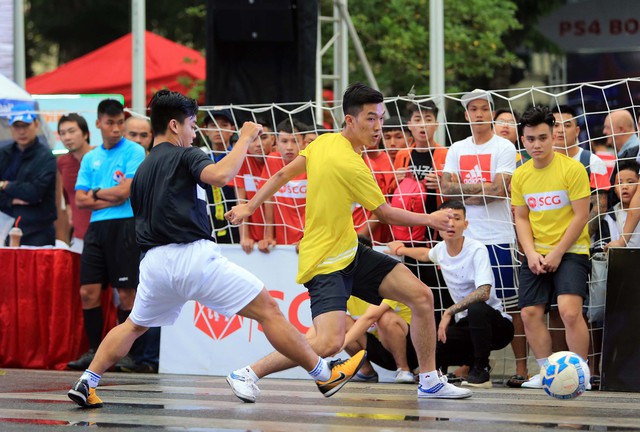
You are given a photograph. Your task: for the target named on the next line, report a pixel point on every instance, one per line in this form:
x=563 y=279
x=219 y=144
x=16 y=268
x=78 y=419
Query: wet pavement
x=36 y=400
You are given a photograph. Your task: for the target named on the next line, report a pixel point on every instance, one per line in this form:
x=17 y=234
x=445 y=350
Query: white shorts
x=173 y=274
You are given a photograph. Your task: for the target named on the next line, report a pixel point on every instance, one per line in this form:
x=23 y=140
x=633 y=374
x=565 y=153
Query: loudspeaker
x=620 y=347
x=261 y=51
x=254 y=21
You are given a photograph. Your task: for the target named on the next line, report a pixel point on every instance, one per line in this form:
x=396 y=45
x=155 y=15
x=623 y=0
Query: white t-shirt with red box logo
x=548 y=193
x=490 y=223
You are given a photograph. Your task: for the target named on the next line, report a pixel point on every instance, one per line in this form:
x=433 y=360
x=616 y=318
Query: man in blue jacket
x=28 y=182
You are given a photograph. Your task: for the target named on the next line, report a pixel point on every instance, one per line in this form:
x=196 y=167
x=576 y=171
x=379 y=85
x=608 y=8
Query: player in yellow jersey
x=332 y=264
x=550 y=194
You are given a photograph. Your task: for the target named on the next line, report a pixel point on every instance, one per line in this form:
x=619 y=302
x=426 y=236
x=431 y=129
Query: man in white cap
x=28 y=181
x=478 y=169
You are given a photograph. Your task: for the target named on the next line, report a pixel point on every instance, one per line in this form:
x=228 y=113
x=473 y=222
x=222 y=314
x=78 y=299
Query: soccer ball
x=564 y=375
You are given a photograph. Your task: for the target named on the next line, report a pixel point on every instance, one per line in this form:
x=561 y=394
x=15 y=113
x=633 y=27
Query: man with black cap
x=28 y=181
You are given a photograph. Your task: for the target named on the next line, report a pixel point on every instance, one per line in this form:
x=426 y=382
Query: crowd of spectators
x=84 y=204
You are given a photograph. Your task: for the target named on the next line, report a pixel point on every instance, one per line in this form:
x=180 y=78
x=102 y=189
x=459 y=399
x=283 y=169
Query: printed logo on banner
x=213 y=324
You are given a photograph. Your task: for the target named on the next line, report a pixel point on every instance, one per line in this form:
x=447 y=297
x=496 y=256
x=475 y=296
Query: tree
x=396 y=36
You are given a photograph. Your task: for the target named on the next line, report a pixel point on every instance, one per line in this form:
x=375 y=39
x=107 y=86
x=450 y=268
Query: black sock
x=123 y=315
x=93 y=326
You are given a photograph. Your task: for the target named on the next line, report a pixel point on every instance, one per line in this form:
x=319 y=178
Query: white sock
x=247 y=371
x=92 y=378
x=429 y=379
x=541 y=361
x=321 y=372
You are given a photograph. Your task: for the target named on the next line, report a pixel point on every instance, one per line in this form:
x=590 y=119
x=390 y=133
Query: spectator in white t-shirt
x=478 y=169
x=480 y=324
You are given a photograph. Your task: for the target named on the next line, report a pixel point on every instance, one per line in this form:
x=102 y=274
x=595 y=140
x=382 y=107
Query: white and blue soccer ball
x=565 y=375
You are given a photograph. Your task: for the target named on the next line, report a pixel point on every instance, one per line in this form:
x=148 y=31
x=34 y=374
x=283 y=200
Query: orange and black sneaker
x=341 y=373
x=84 y=395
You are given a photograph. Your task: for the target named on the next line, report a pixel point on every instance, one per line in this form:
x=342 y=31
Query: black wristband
x=95 y=193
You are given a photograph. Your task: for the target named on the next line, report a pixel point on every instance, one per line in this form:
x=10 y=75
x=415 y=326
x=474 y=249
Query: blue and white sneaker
x=443 y=390
x=243 y=386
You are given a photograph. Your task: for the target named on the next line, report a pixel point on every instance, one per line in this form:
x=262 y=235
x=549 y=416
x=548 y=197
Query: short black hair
x=566 y=109
x=79 y=120
x=422 y=107
x=264 y=122
x=454 y=204
x=630 y=165
x=395 y=123
x=501 y=111
x=357 y=95
x=110 y=107
x=291 y=126
x=167 y=105
x=537 y=115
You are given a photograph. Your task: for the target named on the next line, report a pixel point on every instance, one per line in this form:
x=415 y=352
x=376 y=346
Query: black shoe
x=479 y=378
x=146 y=368
x=516 y=381
x=126 y=364
x=83 y=362
x=452 y=378
x=84 y=395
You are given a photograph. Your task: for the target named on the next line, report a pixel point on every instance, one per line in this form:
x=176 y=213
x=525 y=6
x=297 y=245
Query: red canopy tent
x=108 y=70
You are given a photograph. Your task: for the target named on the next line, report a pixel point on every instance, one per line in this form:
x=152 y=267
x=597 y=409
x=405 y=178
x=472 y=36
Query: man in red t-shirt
x=72 y=222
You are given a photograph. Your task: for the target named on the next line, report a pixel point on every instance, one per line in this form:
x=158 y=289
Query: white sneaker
x=443 y=390
x=243 y=386
x=404 y=377
x=535 y=382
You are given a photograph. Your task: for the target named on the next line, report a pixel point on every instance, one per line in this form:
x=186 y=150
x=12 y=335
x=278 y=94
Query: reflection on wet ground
x=176 y=402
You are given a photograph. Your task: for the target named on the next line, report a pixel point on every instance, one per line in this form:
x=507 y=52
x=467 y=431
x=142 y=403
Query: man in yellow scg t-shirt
x=550 y=193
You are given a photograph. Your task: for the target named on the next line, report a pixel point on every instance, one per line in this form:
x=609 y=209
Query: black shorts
x=110 y=254
x=571 y=277
x=361 y=278
x=379 y=355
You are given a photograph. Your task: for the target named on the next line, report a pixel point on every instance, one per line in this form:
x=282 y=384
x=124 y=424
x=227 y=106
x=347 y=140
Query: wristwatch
x=95 y=193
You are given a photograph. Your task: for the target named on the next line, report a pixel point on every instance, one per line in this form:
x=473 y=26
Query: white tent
x=11 y=92
x=13 y=99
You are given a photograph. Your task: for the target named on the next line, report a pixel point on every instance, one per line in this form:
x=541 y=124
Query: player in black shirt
x=181 y=261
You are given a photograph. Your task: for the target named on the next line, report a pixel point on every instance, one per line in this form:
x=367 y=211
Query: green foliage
x=396 y=36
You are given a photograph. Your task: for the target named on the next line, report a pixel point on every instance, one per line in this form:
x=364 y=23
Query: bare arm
x=398 y=248
x=222 y=172
x=481 y=294
x=85 y=200
x=633 y=216
x=571 y=235
x=476 y=193
x=116 y=194
x=62 y=222
x=525 y=238
x=371 y=315
x=279 y=179
x=396 y=216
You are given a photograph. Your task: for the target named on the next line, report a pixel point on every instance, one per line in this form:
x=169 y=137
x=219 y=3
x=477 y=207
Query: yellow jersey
x=548 y=193
x=337 y=177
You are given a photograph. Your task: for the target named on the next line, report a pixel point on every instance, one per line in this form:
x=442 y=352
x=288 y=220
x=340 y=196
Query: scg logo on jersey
x=547 y=200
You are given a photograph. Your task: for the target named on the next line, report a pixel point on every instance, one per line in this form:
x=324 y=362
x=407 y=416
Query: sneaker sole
x=436 y=396
x=484 y=385
x=335 y=389
x=81 y=400
x=243 y=398
x=405 y=382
